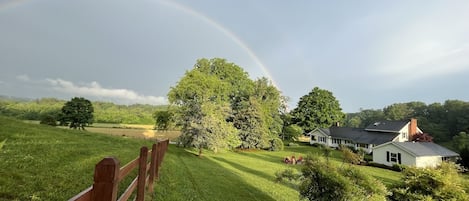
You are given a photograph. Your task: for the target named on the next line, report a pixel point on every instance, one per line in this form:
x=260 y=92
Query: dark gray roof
x=425 y=149
x=386 y=126
x=358 y=135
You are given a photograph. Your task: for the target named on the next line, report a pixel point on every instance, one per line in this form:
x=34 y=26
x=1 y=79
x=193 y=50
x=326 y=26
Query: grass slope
x=38 y=162
x=237 y=175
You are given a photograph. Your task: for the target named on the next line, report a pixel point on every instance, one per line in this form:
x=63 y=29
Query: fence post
x=152 y=168
x=158 y=160
x=142 y=176
x=105 y=183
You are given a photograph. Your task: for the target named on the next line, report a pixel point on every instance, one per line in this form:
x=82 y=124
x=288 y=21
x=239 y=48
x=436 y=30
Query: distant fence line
x=108 y=174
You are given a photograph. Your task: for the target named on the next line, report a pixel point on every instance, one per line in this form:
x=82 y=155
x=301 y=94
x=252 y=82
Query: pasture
x=44 y=163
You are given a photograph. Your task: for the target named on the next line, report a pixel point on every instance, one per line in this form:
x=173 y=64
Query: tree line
x=442 y=121
x=104 y=112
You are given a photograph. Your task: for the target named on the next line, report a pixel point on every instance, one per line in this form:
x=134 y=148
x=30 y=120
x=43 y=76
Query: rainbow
x=14 y=3
x=225 y=31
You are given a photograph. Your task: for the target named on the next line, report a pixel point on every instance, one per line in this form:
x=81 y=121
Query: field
x=44 y=163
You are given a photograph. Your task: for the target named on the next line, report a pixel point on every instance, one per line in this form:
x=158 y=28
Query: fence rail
x=108 y=174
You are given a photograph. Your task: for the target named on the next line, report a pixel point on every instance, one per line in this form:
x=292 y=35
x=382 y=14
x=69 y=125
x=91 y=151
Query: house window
x=363 y=146
x=322 y=139
x=393 y=157
x=336 y=141
x=404 y=135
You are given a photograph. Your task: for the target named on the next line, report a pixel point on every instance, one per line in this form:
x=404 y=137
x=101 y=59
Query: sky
x=369 y=54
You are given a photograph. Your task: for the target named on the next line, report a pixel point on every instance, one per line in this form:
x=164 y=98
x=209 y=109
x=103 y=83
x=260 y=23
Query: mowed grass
x=238 y=175
x=43 y=163
x=39 y=162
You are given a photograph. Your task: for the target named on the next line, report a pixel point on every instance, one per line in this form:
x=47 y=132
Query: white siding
x=428 y=161
x=315 y=138
x=380 y=155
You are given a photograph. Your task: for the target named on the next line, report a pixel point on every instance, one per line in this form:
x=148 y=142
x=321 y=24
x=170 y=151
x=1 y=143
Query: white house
x=366 y=138
x=417 y=154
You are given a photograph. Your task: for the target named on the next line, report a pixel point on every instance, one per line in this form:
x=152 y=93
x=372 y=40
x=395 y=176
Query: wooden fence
x=108 y=174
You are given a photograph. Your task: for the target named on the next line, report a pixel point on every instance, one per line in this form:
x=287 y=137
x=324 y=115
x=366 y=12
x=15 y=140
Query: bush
x=48 y=119
x=276 y=144
x=288 y=174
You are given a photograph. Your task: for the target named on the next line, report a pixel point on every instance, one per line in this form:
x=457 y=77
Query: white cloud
x=24 y=78
x=96 y=90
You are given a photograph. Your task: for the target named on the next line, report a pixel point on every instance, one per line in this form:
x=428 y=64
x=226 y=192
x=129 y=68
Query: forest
x=442 y=121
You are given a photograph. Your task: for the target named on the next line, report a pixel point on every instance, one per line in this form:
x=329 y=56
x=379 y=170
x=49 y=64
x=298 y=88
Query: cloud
x=94 y=89
x=24 y=78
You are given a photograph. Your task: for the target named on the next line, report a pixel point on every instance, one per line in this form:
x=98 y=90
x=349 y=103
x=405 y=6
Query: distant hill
x=105 y=112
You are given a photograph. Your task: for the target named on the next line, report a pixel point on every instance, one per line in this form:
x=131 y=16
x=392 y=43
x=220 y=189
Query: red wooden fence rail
x=108 y=174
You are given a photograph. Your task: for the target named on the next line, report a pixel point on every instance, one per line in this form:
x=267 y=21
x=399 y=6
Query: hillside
x=43 y=163
x=104 y=112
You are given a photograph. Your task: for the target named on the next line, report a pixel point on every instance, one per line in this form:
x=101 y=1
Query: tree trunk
x=200 y=152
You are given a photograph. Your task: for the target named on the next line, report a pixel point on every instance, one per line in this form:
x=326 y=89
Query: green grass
x=39 y=162
x=237 y=175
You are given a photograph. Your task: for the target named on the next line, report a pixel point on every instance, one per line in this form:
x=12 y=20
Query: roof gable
x=387 y=126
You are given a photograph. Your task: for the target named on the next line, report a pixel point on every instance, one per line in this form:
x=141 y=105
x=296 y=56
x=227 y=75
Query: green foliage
x=350 y=156
x=324 y=181
x=249 y=107
x=163 y=118
x=464 y=154
x=48 y=120
x=77 y=113
x=287 y=174
x=104 y=112
x=276 y=144
x=441 y=121
x=318 y=109
x=461 y=141
x=442 y=183
x=292 y=132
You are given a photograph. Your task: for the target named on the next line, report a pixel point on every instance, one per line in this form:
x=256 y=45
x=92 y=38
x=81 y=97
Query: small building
x=417 y=154
x=373 y=135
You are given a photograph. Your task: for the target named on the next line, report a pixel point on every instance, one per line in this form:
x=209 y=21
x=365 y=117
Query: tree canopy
x=219 y=106
x=77 y=113
x=318 y=109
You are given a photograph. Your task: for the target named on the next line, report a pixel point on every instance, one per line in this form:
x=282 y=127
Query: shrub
x=276 y=144
x=323 y=181
x=288 y=174
x=48 y=119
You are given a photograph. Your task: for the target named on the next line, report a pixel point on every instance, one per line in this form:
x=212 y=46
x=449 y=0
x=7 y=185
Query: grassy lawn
x=237 y=175
x=43 y=163
x=39 y=162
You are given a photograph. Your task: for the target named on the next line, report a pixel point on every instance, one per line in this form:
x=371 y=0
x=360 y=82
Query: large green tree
x=318 y=109
x=217 y=96
x=77 y=113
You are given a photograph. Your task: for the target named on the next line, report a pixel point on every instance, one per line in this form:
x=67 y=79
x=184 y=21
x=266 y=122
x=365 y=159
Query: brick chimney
x=412 y=128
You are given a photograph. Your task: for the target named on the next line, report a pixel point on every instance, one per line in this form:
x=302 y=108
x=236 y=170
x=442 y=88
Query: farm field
x=44 y=163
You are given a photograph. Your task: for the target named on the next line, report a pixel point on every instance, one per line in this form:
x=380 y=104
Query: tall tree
x=77 y=113
x=318 y=109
